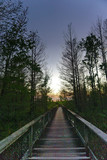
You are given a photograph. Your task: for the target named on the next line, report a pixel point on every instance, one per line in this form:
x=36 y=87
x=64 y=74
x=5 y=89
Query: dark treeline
x=84 y=72
x=23 y=79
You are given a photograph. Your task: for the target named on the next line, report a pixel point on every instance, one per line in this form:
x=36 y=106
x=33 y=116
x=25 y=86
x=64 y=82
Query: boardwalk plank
x=59 y=142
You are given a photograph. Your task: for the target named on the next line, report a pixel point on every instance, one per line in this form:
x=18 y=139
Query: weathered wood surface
x=60 y=141
x=96 y=130
x=5 y=143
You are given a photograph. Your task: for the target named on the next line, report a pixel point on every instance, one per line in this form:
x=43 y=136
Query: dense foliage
x=23 y=80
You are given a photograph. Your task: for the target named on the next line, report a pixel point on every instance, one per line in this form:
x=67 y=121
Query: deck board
x=59 y=141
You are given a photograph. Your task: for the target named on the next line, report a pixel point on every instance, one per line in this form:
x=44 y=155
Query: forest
x=24 y=77
x=23 y=73
x=83 y=72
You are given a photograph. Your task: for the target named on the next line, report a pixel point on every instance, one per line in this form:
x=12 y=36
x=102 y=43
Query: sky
x=51 y=17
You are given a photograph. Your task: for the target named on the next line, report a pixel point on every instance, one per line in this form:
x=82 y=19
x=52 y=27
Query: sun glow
x=55 y=84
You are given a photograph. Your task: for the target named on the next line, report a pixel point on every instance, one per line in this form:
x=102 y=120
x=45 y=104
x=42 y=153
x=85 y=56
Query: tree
x=13 y=41
x=45 y=90
x=21 y=68
x=70 y=62
x=35 y=66
x=100 y=29
x=14 y=45
x=91 y=45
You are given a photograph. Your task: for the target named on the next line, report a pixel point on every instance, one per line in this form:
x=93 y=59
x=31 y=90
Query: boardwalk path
x=60 y=141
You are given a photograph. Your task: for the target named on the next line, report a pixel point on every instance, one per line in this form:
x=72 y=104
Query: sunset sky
x=51 y=17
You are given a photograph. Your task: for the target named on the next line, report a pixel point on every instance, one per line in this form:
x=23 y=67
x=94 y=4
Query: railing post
x=43 y=123
x=67 y=114
x=74 y=122
x=85 y=135
x=31 y=140
x=49 y=116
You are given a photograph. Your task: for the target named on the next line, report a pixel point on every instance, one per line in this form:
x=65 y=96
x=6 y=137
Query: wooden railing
x=19 y=144
x=93 y=138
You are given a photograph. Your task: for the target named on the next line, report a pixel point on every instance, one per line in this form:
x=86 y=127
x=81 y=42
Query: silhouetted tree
x=70 y=62
x=45 y=90
x=13 y=46
x=100 y=29
x=35 y=65
x=91 y=45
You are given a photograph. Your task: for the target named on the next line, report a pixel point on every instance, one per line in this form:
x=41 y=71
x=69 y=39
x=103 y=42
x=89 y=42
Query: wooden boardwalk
x=59 y=142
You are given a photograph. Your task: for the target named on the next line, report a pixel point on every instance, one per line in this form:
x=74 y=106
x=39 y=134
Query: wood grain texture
x=59 y=141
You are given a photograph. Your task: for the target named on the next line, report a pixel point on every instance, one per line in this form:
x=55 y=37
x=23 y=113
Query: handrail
x=5 y=143
x=96 y=130
x=8 y=141
x=92 y=137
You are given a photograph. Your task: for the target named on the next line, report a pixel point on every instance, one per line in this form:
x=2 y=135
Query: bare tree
x=35 y=66
x=69 y=67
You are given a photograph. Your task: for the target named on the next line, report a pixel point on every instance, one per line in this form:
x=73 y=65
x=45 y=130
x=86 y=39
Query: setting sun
x=55 y=84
